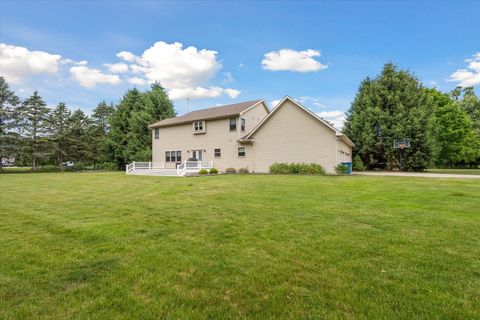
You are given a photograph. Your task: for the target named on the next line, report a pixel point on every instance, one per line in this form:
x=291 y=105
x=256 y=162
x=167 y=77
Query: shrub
x=230 y=170
x=341 y=169
x=280 y=168
x=243 y=170
x=203 y=172
x=296 y=168
x=213 y=171
x=314 y=168
x=357 y=164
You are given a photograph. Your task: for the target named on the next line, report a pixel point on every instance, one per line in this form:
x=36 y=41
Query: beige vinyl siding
x=293 y=135
x=217 y=135
x=253 y=117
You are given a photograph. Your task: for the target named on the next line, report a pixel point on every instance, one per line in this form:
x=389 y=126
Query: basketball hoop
x=401 y=144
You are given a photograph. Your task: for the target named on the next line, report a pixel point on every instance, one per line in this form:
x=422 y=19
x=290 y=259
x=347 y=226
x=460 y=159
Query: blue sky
x=316 y=52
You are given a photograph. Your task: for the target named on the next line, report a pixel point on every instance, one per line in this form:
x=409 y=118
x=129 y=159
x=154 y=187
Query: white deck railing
x=182 y=169
x=144 y=166
x=193 y=167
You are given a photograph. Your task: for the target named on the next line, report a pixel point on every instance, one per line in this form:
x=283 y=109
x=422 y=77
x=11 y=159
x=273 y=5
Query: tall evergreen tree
x=101 y=115
x=129 y=136
x=79 y=140
x=391 y=106
x=9 y=138
x=34 y=127
x=59 y=123
x=98 y=132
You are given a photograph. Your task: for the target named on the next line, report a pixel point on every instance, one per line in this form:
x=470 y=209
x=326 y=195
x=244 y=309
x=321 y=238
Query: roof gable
x=281 y=103
x=209 y=113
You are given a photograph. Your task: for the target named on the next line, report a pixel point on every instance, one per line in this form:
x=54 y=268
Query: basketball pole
x=401 y=159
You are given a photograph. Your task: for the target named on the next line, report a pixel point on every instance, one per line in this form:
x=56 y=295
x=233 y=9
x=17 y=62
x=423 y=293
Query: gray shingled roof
x=207 y=114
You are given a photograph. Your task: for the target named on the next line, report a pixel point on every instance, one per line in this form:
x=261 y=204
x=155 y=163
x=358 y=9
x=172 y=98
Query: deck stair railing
x=193 y=167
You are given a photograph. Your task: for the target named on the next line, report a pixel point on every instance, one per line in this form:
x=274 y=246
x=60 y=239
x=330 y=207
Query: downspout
x=336 y=153
x=253 y=147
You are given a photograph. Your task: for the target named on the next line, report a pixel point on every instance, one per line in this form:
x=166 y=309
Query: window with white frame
x=173 y=156
x=199 y=127
x=241 y=151
x=157 y=133
x=242 y=124
x=217 y=152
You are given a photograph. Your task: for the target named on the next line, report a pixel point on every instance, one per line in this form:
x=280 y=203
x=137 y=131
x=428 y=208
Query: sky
x=208 y=53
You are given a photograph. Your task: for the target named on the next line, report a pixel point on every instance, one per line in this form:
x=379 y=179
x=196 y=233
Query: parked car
x=68 y=164
x=8 y=162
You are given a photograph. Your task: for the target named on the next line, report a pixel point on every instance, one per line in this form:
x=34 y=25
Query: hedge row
x=296 y=168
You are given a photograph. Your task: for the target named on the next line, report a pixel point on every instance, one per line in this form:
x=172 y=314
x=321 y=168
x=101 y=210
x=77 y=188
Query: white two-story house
x=248 y=135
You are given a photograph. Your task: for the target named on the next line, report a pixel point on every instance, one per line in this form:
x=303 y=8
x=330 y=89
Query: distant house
x=248 y=135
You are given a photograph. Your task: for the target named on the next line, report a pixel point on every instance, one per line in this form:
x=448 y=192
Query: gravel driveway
x=416 y=174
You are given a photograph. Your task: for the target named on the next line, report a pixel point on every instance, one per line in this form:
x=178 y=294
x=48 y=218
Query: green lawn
x=455 y=171
x=110 y=246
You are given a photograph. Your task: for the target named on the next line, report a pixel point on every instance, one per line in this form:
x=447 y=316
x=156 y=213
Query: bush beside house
x=296 y=168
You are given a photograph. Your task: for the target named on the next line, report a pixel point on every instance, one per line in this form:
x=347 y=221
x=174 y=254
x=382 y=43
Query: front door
x=197 y=154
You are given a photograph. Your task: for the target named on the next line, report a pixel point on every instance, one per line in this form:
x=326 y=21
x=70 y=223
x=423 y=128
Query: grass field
x=110 y=246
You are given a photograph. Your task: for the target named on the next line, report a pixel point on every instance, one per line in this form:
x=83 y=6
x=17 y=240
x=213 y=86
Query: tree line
x=112 y=136
x=443 y=128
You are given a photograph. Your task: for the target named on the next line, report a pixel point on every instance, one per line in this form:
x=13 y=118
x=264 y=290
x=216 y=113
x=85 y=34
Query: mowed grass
x=455 y=171
x=110 y=246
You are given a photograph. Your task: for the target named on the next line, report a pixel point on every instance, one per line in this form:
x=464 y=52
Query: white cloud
x=127 y=56
x=174 y=66
x=336 y=117
x=468 y=77
x=18 y=63
x=200 y=92
x=228 y=77
x=291 y=60
x=137 y=81
x=232 y=93
x=274 y=103
x=77 y=63
x=312 y=100
x=117 y=67
x=185 y=72
x=88 y=77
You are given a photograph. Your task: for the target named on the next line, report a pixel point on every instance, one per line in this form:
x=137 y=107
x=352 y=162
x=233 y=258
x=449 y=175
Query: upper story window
x=157 y=133
x=242 y=124
x=199 y=127
x=233 y=124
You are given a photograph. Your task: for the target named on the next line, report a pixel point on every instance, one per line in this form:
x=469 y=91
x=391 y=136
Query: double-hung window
x=217 y=152
x=233 y=124
x=157 y=133
x=241 y=151
x=242 y=124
